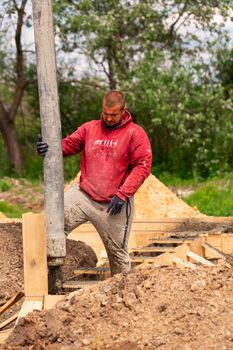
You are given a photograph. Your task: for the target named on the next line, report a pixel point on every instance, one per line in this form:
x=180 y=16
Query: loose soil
x=151 y=308
x=11 y=262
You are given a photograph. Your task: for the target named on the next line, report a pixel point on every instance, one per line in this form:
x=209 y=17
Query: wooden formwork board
x=35 y=255
x=10 y=221
x=35 y=250
x=35 y=259
x=222 y=242
x=199 y=250
x=144 y=230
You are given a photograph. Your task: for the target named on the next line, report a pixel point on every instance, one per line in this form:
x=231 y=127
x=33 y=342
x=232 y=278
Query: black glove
x=41 y=147
x=115 y=205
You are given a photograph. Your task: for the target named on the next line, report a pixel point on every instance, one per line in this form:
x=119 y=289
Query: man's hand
x=41 y=147
x=115 y=205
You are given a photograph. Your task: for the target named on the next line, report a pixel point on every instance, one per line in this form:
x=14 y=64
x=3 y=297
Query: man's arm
x=140 y=163
x=74 y=143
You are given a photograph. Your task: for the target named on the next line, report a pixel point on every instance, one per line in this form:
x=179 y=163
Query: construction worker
x=116 y=159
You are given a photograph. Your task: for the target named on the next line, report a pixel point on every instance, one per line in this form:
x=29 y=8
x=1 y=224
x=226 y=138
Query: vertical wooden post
x=35 y=255
x=51 y=128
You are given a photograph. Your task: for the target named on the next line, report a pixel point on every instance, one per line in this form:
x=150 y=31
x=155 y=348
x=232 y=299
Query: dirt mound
x=11 y=262
x=154 y=199
x=150 y=308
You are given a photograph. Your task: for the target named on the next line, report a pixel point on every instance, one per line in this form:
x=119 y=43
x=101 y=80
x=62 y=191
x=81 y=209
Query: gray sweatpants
x=80 y=208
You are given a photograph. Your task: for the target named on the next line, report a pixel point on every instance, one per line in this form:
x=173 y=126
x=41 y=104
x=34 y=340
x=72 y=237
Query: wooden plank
x=155 y=220
x=164 y=259
x=196 y=219
x=170 y=240
x=8 y=220
x=211 y=252
x=178 y=262
x=151 y=250
x=29 y=305
x=144 y=238
x=142 y=259
x=78 y=284
x=50 y=300
x=9 y=320
x=181 y=251
x=196 y=246
x=35 y=255
x=91 y=270
x=215 y=240
x=11 y=302
x=227 y=243
x=158 y=227
x=199 y=259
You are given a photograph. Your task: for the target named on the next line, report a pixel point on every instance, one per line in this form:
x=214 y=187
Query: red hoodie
x=114 y=161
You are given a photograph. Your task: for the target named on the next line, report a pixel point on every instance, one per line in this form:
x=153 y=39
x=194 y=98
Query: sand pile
x=155 y=200
x=150 y=308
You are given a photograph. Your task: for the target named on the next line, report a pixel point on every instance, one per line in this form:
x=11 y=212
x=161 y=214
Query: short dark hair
x=114 y=97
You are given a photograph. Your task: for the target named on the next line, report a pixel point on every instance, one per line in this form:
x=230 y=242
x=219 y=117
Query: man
x=116 y=159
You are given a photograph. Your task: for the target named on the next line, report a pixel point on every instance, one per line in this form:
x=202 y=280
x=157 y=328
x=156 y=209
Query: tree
x=224 y=68
x=186 y=115
x=115 y=34
x=8 y=111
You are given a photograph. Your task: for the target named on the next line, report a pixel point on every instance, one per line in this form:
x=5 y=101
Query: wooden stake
x=9 y=320
x=11 y=302
x=35 y=255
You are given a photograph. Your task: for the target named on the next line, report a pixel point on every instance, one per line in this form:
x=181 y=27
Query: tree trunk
x=111 y=70
x=8 y=116
x=10 y=138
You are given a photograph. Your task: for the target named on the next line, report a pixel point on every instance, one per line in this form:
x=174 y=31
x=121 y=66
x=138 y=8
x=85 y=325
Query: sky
x=79 y=62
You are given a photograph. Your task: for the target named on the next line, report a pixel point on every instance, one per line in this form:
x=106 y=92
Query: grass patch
x=214 y=197
x=5 y=185
x=12 y=211
x=171 y=180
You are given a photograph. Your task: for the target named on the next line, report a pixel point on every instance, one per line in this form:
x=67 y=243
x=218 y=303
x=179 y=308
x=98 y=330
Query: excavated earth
x=151 y=308
x=11 y=262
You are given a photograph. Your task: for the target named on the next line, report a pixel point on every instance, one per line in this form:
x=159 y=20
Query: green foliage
x=185 y=107
x=170 y=179
x=214 y=198
x=5 y=185
x=10 y=211
x=33 y=169
x=71 y=167
x=115 y=35
x=79 y=103
x=186 y=115
x=224 y=67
